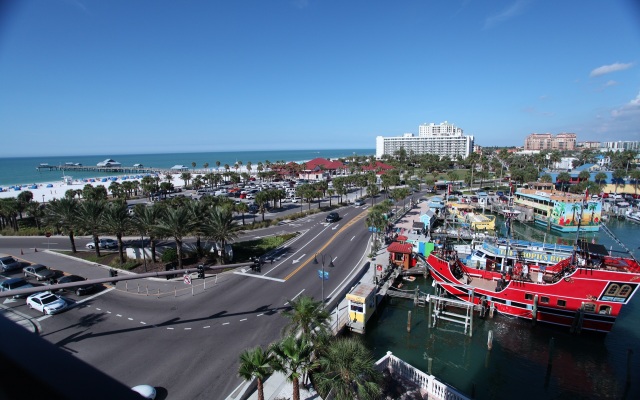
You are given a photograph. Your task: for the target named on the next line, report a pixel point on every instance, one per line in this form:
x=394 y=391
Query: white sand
x=59 y=188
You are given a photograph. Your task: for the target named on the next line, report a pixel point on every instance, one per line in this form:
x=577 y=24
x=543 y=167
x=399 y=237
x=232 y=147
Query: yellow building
x=361 y=305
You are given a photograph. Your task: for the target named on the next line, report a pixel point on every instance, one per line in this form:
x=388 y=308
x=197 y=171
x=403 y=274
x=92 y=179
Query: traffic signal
x=201 y=271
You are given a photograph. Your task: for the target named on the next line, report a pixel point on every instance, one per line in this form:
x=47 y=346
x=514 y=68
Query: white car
x=103 y=244
x=146 y=391
x=46 y=303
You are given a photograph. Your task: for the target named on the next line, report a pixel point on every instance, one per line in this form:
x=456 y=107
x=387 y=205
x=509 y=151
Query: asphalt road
x=188 y=346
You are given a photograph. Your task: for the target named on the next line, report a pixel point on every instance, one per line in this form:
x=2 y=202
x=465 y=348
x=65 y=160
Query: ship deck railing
x=434 y=388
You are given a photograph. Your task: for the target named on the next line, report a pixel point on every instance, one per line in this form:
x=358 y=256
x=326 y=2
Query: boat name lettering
x=543 y=194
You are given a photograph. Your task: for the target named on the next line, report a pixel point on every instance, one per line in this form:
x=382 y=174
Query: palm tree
x=89 y=219
x=221 y=228
x=242 y=208
x=563 y=178
x=292 y=356
x=347 y=369
x=186 y=177
x=372 y=191
x=116 y=221
x=255 y=363
x=145 y=219
x=198 y=211
x=176 y=223
x=63 y=214
x=261 y=199
x=308 y=316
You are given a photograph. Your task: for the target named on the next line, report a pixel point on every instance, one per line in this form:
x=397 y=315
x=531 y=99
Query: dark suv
x=333 y=217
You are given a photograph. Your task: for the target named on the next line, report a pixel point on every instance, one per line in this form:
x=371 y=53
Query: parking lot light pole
x=322 y=277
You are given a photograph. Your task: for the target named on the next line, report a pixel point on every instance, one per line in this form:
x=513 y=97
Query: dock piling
x=409 y=321
x=490 y=340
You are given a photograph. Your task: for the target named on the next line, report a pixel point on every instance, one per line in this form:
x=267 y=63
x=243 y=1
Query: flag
x=586 y=194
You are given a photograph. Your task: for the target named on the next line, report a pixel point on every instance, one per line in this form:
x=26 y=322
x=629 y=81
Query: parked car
x=38 y=271
x=103 y=244
x=359 y=202
x=333 y=217
x=46 y=303
x=79 y=290
x=15 y=284
x=9 y=264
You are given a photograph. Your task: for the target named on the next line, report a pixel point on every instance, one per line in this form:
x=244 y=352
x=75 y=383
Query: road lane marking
x=352 y=239
x=294 y=297
x=108 y=312
x=187 y=329
x=118 y=315
x=143 y=323
x=130 y=319
x=243 y=319
x=97 y=308
x=335 y=235
x=208 y=326
x=299 y=250
x=226 y=323
x=43 y=318
x=259 y=315
x=259 y=276
x=170 y=329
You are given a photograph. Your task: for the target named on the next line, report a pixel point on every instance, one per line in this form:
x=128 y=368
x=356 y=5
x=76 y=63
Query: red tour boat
x=584 y=292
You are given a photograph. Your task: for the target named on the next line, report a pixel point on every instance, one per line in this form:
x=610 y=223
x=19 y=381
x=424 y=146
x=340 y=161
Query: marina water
x=585 y=366
x=22 y=170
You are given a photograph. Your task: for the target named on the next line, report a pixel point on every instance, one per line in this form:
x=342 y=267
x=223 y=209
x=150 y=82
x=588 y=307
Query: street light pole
x=43 y=199
x=322 y=275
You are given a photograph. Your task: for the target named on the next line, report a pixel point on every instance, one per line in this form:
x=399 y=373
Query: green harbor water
x=586 y=366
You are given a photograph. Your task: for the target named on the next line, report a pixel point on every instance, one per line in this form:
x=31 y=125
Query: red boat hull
x=585 y=299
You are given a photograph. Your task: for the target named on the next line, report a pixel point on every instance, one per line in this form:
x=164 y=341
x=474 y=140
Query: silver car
x=39 y=271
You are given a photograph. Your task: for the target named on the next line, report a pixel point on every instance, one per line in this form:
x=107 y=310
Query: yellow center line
x=308 y=260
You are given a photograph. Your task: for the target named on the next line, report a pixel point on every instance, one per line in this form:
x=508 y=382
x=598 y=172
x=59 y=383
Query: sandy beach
x=56 y=190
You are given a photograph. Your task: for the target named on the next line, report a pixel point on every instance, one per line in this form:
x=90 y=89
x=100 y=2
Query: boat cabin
x=400 y=255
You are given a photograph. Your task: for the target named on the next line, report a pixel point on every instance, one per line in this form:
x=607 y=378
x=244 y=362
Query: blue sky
x=142 y=76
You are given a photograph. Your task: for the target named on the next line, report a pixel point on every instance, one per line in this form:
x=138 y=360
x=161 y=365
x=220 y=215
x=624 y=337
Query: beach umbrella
x=50 y=185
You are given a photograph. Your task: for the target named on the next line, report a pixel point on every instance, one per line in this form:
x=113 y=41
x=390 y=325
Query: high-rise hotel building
x=546 y=141
x=444 y=140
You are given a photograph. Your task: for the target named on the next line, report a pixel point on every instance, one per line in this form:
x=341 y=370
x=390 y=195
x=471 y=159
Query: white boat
x=108 y=163
x=633 y=216
x=67 y=180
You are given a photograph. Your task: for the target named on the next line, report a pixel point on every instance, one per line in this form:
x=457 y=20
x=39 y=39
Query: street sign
x=187 y=279
x=379 y=267
x=324 y=275
x=48 y=234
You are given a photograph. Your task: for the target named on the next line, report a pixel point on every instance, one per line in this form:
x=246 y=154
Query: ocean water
x=586 y=366
x=22 y=170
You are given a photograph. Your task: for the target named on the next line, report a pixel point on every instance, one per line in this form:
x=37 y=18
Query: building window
x=562 y=303
x=544 y=300
x=528 y=296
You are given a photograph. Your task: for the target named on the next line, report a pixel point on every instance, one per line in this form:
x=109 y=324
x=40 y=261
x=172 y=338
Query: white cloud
x=610 y=83
x=513 y=10
x=629 y=110
x=607 y=69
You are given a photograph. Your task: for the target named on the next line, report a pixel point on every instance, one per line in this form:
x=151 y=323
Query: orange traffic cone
x=36 y=250
x=21 y=253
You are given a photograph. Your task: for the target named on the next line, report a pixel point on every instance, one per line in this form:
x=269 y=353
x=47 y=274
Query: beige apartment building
x=547 y=141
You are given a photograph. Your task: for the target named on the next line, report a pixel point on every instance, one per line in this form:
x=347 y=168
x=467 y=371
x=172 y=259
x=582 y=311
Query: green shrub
x=169 y=255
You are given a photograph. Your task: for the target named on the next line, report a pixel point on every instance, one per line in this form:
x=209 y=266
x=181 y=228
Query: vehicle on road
x=358 y=202
x=79 y=290
x=103 y=244
x=15 y=284
x=38 y=271
x=333 y=217
x=146 y=391
x=9 y=263
x=46 y=303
